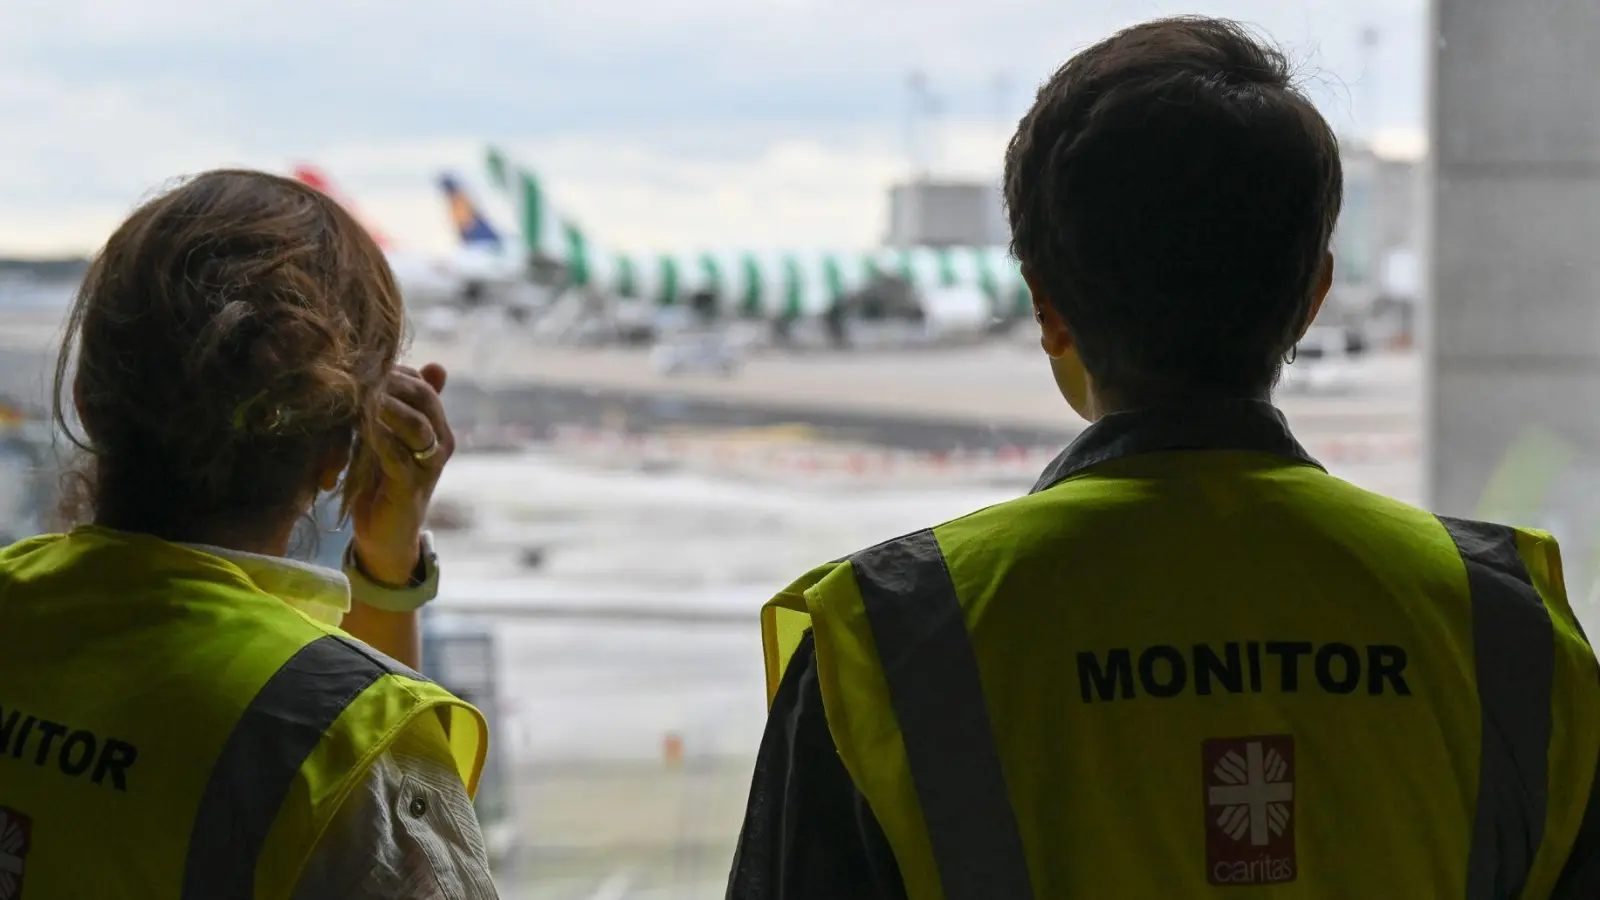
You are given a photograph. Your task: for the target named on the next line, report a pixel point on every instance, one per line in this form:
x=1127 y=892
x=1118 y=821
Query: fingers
x=408 y=424
x=394 y=457
x=435 y=375
x=413 y=410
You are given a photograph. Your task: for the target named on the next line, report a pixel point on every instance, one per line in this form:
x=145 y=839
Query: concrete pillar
x=1513 y=382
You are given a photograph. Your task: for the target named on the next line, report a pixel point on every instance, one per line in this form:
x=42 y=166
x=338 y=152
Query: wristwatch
x=424 y=585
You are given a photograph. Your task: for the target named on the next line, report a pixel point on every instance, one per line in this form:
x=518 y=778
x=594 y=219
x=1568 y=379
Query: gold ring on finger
x=427 y=452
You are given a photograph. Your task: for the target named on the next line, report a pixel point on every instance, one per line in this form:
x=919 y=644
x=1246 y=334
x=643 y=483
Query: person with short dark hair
x=1189 y=658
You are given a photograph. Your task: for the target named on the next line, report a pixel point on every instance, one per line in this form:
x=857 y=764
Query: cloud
x=781 y=119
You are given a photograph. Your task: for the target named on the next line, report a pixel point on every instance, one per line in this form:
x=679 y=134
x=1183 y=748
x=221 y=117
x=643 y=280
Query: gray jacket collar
x=1248 y=425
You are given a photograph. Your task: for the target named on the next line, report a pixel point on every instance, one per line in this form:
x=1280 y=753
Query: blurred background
x=724 y=292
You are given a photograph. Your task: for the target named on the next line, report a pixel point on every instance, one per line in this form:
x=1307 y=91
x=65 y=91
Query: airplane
x=952 y=289
x=479 y=271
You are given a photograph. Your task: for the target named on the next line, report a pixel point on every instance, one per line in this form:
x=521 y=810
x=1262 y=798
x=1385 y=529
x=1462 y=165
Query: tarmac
x=1004 y=383
x=627 y=527
x=722 y=489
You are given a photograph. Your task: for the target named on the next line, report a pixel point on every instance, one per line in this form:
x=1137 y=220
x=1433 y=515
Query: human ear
x=1319 y=294
x=1055 y=338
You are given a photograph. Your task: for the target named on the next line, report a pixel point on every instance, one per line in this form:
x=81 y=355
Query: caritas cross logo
x=1249 y=794
x=16 y=834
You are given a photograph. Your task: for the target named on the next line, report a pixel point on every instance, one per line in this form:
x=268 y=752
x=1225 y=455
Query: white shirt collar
x=321 y=593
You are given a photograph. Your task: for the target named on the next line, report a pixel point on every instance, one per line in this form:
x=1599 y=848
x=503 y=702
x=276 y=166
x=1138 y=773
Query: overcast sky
x=667 y=125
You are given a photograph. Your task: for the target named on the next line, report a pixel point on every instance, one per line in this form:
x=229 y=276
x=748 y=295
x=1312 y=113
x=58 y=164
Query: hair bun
x=231 y=334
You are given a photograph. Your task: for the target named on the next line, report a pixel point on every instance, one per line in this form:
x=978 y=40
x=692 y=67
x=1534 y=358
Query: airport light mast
x=1370 y=38
x=924 y=107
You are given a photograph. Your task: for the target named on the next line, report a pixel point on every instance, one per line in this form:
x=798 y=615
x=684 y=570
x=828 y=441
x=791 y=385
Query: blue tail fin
x=471 y=226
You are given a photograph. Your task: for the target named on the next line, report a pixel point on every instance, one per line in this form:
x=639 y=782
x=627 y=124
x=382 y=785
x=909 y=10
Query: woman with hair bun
x=185 y=712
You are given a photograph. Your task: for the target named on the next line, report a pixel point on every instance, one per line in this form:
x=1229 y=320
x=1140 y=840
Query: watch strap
x=424 y=586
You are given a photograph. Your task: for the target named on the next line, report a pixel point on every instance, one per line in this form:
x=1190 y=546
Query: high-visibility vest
x=168 y=730
x=1191 y=658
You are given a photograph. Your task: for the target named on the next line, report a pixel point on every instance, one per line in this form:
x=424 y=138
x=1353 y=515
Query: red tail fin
x=314 y=177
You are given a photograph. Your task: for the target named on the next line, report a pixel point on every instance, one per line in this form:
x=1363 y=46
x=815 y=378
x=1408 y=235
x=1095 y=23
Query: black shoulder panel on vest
x=936 y=691
x=1514 y=660
x=268 y=745
x=380 y=659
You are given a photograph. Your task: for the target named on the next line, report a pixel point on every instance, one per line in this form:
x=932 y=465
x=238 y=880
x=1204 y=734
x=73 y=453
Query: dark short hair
x=233 y=332
x=1173 y=193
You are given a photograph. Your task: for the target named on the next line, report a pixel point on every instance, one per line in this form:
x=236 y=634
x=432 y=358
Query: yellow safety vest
x=169 y=730
x=1166 y=671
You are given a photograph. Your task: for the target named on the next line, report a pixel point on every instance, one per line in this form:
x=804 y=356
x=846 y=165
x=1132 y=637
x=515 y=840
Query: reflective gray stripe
x=934 y=686
x=262 y=755
x=1515 y=666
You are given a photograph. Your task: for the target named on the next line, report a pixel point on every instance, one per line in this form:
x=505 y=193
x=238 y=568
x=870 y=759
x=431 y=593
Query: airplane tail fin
x=544 y=231
x=472 y=227
x=313 y=177
x=525 y=193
